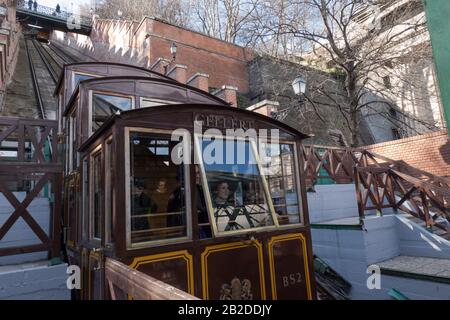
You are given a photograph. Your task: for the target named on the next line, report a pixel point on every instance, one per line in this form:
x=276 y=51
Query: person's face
x=161 y=185
x=139 y=189
x=223 y=192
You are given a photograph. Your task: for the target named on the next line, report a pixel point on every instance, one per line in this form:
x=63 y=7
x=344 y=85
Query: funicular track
x=53 y=67
x=33 y=58
x=46 y=63
x=64 y=56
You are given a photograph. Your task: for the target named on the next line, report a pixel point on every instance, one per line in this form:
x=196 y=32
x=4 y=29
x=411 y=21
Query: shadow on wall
x=100 y=50
x=414 y=240
x=105 y=54
x=444 y=150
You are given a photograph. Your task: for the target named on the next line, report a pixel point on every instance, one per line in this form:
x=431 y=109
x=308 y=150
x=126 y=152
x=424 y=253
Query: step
x=421 y=268
x=351 y=223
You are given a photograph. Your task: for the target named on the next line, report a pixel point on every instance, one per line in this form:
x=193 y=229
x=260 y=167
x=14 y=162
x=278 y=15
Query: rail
x=381 y=182
x=124 y=282
x=37 y=92
x=389 y=188
x=53 y=73
x=62 y=55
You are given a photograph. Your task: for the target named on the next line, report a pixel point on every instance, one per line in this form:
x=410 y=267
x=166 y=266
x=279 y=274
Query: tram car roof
x=184 y=115
x=145 y=87
x=107 y=69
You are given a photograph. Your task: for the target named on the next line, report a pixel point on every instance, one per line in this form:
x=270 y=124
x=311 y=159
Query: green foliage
x=242 y=101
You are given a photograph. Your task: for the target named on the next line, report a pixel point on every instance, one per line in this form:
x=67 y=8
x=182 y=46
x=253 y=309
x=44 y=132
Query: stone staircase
x=414 y=262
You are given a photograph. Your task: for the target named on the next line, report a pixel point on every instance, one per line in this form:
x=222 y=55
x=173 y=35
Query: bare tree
x=224 y=19
x=172 y=11
x=365 y=55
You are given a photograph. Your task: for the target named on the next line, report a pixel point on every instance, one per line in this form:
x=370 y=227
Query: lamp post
x=299 y=87
x=119 y=13
x=173 y=52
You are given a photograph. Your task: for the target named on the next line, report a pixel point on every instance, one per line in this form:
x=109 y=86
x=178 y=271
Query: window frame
x=109 y=191
x=187 y=187
x=97 y=151
x=297 y=184
x=114 y=94
x=208 y=199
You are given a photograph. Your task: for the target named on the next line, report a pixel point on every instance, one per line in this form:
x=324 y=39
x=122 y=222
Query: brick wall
x=143 y=43
x=429 y=152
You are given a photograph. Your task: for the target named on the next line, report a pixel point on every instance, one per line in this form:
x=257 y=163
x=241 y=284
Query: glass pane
x=97 y=194
x=80 y=77
x=158 y=208
x=235 y=184
x=104 y=106
x=279 y=169
x=147 y=103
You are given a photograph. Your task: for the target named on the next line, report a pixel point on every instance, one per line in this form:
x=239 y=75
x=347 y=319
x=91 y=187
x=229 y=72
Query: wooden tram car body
x=215 y=231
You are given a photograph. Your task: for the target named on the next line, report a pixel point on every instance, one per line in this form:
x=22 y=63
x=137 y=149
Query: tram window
x=104 y=106
x=80 y=77
x=96 y=195
x=236 y=189
x=147 y=103
x=157 y=184
x=202 y=211
x=279 y=167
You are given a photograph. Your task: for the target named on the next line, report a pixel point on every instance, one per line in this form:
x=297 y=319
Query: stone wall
x=271 y=79
x=10 y=32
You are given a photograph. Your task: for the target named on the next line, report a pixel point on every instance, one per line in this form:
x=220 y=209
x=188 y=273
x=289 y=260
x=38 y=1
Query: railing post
x=358 y=194
x=426 y=210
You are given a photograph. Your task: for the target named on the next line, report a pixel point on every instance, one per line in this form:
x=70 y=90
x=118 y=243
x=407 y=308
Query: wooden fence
x=124 y=282
x=381 y=182
x=29 y=165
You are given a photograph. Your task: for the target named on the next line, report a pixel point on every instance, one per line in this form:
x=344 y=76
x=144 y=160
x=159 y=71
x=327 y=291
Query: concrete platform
x=34 y=281
x=432 y=268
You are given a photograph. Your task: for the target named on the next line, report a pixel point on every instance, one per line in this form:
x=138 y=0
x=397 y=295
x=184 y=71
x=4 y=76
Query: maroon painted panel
x=172 y=271
x=233 y=272
x=289 y=267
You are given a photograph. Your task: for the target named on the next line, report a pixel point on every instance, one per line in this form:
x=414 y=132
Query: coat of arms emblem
x=236 y=290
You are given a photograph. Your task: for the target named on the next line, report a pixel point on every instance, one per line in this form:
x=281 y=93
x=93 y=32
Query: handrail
x=385 y=182
x=124 y=282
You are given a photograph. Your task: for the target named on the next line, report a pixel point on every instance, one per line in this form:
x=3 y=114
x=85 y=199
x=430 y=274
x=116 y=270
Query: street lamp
x=119 y=13
x=299 y=86
x=173 y=52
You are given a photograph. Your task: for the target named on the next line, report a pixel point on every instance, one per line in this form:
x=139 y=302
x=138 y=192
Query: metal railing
x=64 y=16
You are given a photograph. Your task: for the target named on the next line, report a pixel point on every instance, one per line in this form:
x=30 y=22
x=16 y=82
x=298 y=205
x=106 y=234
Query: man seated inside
x=141 y=206
x=160 y=197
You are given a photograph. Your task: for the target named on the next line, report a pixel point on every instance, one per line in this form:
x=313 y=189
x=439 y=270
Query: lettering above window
x=223 y=122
